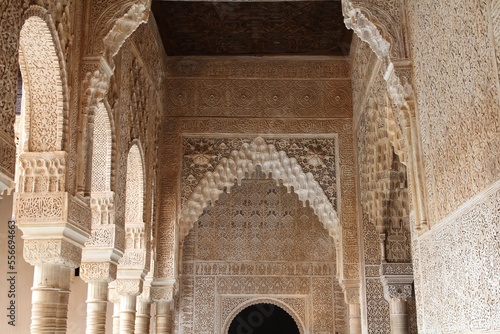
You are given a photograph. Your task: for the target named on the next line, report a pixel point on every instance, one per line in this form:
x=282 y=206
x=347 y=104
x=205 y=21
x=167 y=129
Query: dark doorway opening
x=263 y=319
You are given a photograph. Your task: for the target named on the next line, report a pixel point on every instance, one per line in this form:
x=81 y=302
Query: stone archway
x=134 y=264
x=276 y=164
x=54 y=245
x=276 y=302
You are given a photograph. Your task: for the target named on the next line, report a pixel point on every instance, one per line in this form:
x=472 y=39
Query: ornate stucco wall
x=259 y=241
x=249 y=108
x=457 y=97
x=383 y=190
x=455 y=55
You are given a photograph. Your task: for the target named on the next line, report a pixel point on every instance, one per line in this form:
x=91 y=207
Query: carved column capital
x=53 y=251
x=113 y=295
x=98 y=272
x=163 y=291
x=398 y=291
x=351 y=291
x=397 y=280
x=129 y=287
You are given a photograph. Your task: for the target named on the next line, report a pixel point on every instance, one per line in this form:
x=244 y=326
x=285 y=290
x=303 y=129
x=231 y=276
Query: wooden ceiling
x=252 y=28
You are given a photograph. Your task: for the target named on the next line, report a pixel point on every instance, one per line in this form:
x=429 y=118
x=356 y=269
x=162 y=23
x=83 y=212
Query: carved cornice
x=249 y=67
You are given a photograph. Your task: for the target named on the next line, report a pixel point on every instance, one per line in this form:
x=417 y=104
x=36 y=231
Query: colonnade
x=132 y=313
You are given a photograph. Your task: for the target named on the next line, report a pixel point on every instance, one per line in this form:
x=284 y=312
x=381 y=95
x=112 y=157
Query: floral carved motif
x=465 y=276
x=41 y=208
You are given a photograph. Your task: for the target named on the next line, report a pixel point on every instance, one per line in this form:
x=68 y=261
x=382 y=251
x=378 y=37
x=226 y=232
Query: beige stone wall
x=456 y=81
x=280 y=113
x=259 y=241
x=457 y=270
x=456 y=78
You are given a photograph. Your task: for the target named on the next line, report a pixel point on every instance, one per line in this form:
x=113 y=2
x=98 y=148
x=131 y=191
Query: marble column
x=116 y=317
x=114 y=298
x=97 y=300
x=143 y=316
x=127 y=313
x=97 y=275
x=397 y=280
x=351 y=296
x=399 y=316
x=45 y=298
x=65 y=275
x=162 y=293
x=163 y=317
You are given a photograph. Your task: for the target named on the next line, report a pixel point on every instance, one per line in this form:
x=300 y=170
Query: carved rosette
x=98 y=272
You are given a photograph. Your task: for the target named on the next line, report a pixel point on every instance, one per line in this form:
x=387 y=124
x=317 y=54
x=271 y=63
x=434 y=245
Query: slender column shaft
x=127 y=314
x=399 y=316
x=142 y=318
x=97 y=298
x=45 y=298
x=354 y=318
x=64 y=291
x=116 y=318
x=163 y=318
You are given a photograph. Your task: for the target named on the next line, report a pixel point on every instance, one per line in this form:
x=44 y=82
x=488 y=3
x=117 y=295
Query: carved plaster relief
x=457 y=271
x=253 y=235
x=457 y=100
x=10 y=27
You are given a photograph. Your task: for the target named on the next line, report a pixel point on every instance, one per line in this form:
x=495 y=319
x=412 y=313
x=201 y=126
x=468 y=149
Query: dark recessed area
x=252 y=28
x=263 y=319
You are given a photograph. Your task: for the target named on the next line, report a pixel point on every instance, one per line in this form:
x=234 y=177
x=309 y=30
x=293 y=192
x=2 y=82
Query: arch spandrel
x=273 y=163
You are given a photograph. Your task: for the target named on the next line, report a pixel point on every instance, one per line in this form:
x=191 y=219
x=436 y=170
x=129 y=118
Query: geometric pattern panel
x=259 y=241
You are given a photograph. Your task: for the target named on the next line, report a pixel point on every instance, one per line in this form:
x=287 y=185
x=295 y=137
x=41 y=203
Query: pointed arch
x=367 y=31
x=43 y=120
x=276 y=164
x=97 y=81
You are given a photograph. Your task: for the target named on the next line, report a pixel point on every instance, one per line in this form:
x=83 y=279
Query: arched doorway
x=263 y=319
